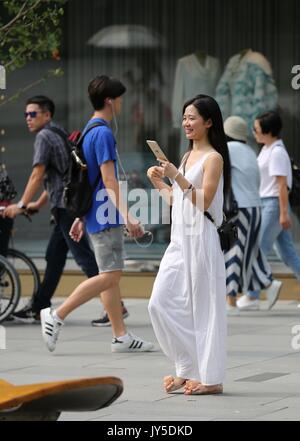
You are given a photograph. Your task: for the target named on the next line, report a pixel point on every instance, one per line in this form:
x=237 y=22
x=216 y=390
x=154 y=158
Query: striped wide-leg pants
x=246 y=266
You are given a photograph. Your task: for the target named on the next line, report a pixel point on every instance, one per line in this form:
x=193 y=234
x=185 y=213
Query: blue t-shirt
x=99 y=146
x=245 y=177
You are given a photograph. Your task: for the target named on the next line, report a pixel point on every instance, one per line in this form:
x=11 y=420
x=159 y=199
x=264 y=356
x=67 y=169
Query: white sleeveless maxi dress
x=188 y=301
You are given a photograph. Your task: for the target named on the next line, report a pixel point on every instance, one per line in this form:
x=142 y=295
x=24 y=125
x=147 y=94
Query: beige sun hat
x=236 y=127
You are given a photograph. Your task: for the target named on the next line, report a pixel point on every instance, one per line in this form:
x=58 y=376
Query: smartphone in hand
x=157 y=151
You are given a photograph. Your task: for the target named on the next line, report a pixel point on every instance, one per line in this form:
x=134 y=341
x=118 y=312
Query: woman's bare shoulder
x=214 y=156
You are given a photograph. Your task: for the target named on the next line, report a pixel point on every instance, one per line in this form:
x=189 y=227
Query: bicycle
x=26 y=267
x=14 y=263
x=10 y=288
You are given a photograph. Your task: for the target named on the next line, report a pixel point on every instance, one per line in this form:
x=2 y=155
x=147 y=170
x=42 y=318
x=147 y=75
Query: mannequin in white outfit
x=194 y=73
x=188 y=302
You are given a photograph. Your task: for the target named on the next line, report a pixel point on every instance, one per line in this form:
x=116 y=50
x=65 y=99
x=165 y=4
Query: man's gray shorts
x=109 y=249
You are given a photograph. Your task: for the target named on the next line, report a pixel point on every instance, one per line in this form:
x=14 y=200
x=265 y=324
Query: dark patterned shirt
x=50 y=150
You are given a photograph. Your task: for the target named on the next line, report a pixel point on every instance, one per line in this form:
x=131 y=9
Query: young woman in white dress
x=188 y=302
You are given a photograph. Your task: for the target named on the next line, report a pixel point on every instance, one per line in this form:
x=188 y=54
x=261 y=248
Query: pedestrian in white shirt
x=276 y=180
x=246 y=265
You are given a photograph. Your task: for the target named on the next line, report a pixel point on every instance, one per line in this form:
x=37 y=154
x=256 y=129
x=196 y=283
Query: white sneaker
x=245 y=304
x=273 y=293
x=232 y=310
x=50 y=328
x=132 y=344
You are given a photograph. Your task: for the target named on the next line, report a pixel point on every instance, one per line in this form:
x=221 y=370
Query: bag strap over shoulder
x=62 y=134
x=64 y=137
x=79 y=143
x=92 y=126
x=69 y=150
x=184 y=161
x=187 y=155
x=209 y=216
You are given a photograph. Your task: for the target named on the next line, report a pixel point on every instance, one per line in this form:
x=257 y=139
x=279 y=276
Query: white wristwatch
x=21 y=205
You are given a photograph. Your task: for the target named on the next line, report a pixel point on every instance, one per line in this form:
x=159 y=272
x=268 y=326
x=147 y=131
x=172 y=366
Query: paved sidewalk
x=263 y=369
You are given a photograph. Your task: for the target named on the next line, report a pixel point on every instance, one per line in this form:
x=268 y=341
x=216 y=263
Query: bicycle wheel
x=10 y=288
x=25 y=267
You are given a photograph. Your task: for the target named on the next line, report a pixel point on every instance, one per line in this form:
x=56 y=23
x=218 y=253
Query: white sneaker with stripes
x=131 y=344
x=50 y=328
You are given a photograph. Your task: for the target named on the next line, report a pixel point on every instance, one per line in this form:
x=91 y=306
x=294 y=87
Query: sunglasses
x=32 y=114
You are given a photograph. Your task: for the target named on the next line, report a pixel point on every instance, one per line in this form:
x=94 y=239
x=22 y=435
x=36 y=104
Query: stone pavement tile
x=85 y=416
x=262 y=341
x=240 y=359
x=273 y=328
x=270 y=370
x=239 y=402
x=250 y=404
x=288 y=410
x=145 y=411
x=289 y=381
x=258 y=344
x=185 y=408
x=264 y=376
x=287 y=364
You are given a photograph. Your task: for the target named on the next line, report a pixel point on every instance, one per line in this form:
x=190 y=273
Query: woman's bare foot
x=193 y=387
x=173 y=383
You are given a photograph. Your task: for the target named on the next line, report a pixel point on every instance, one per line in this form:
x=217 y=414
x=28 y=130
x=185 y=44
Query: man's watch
x=21 y=205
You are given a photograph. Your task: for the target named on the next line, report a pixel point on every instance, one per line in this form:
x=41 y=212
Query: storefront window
x=165 y=52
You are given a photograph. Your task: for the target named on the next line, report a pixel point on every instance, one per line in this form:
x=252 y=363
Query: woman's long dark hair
x=208 y=108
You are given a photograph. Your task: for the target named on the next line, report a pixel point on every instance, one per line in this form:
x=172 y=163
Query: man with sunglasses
x=50 y=162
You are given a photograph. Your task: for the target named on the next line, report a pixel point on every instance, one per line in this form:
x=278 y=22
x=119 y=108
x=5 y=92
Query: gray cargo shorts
x=109 y=249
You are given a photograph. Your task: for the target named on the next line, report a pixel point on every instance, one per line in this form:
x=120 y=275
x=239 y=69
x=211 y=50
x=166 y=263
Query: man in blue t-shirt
x=104 y=224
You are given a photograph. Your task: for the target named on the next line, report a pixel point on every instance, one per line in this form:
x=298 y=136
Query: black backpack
x=78 y=192
x=294 y=194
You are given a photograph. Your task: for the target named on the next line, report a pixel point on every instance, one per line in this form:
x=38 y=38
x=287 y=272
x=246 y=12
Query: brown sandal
x=196 y=388
x=175 y=383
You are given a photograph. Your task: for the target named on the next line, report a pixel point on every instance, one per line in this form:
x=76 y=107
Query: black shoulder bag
x=228 y=232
